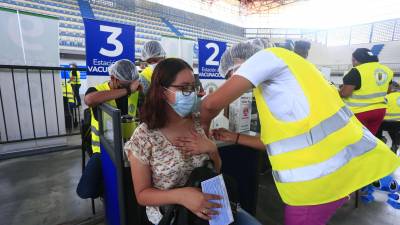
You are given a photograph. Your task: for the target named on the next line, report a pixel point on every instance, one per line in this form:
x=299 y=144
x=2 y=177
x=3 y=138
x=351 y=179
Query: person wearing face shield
x=121 y=91
x=320 y=153
x=152 y=53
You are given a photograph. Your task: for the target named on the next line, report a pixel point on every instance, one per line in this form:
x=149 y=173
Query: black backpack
x=179 y=215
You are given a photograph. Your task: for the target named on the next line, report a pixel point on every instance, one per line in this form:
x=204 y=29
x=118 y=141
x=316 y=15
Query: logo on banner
x=210 y=53
x=107 y=42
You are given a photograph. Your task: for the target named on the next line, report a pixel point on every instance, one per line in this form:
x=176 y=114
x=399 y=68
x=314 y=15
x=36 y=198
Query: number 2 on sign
x=211 y=60
x=112 y=40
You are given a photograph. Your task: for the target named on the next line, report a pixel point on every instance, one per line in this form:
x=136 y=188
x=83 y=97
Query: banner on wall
x=210 y=53
x=107 y=42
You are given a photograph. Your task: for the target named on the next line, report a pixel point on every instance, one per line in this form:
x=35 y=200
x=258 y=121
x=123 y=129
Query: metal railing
x=380 y=31
x=49 y=74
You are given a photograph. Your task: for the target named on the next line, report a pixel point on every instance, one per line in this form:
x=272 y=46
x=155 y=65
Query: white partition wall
x=178 y=48
x=31 y=101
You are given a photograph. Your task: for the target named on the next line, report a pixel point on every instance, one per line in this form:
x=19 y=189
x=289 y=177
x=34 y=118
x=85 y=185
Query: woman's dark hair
x=154 y=107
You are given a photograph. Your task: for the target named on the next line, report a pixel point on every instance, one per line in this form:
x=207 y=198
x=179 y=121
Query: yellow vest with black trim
x=68 y=93
x=393 y=110
x=375 y=80
x=77 y=79
x=132 y=108
x=147 y=73
x=325 y=156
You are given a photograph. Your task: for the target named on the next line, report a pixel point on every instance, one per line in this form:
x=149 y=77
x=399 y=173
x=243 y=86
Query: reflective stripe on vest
x=381 y=94
x=366 y=144
x=315 y=135
x=392 y=114
x=94 y=130
x=354 y=104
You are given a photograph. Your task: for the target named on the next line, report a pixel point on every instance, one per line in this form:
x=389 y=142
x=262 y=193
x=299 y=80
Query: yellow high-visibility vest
x=393 y=110
x=325 y=156
x=77 y=79
x=132 y=108
x=147 y=73
x=67 y=92
x=375 y=80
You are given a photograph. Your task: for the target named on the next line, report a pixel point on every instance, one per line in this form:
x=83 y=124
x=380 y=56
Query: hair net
x=152 y=49
x=262 y=43
x=124 y=70
x=305 y=45
x=239 y=52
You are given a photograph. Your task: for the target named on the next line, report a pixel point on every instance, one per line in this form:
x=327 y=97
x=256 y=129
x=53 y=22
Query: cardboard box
x=240 y=113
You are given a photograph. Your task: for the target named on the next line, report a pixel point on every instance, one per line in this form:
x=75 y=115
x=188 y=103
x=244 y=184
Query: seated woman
x=159 y=169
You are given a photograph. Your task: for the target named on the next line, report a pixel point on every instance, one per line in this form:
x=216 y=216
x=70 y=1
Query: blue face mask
x=183 y=105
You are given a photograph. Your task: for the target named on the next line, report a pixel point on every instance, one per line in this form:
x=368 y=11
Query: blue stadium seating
x=147 y=21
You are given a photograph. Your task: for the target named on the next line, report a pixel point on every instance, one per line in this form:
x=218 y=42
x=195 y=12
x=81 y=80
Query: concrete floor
x=270 y=209
x=40 y=190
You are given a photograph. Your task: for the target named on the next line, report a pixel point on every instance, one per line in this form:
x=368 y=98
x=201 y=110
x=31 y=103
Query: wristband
x=237 y=138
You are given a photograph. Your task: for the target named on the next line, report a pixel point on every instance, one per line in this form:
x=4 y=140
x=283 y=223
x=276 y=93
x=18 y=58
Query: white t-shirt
x=280 y=89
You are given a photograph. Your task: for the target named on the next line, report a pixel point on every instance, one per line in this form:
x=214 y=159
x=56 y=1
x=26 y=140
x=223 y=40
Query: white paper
x=216 y=186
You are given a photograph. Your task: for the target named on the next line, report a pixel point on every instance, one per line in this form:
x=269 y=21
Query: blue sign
x=210 y=53
x=107 y=42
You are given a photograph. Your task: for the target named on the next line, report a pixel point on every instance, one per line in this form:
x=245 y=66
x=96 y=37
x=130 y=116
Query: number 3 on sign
x=112 y=40
x=211 y=60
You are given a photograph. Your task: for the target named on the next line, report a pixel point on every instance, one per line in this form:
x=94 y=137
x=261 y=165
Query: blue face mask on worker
x=185 y=101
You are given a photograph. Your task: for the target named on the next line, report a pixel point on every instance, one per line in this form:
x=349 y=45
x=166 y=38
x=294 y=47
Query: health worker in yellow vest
x=121 y=91
x=391 y=122
x=69 y=104
x=319 y=152
x=75 y=80
x=365 y=87
x=152 y=53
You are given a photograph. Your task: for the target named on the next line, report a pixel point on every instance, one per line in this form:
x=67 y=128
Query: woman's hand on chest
x=194 y=143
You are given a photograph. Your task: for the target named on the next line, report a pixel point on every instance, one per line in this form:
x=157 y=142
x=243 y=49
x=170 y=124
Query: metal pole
x=4 y=116
x=16 y=103
x=55 y=101
x=44 y=109
x=30 y=103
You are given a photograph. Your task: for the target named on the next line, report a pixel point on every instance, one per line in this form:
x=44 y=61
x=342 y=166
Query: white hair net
x=236 y=54
x=261 y=42
x=124 y=70
x=152 y=49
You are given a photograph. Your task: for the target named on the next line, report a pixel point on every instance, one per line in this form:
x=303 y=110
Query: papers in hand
x=216 y=186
